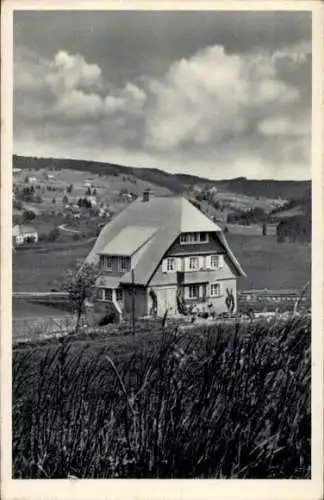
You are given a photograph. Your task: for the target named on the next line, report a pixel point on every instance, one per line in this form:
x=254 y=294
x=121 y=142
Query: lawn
x=269 y=264
x=223 y=402
x=37 y=270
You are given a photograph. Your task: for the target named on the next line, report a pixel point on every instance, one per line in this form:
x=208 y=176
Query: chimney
x=146 y=195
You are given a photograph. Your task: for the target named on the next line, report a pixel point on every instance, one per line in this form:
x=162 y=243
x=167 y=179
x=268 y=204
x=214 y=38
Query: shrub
x=53 y=234
x=28 y=215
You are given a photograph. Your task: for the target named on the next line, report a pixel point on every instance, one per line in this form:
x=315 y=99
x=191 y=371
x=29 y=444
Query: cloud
x=213 y=113
x=68 y=72
x=73 y=89
x=75 y=104
x=282 y=126
x=214 y=94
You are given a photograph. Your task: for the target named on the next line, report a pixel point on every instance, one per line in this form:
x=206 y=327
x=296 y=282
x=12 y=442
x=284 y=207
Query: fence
x=33 y=328
x=271 y=300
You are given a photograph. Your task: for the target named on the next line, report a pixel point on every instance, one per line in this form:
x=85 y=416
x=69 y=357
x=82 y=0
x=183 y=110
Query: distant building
x=168 y=255
x=16 y=170
x=92 y=200
x=24 y=234
x=103 y=212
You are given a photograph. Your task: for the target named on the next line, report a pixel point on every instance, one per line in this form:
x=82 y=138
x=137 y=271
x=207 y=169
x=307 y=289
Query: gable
x=213 y=245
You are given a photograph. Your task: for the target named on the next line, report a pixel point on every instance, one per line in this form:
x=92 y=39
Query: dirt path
x=63 y=227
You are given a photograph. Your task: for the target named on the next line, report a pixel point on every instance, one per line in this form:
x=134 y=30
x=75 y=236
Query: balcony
x=199 y=276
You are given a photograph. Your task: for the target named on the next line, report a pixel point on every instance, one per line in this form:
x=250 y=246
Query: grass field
x=267 y=263
x=37 y=270
x=227 y=402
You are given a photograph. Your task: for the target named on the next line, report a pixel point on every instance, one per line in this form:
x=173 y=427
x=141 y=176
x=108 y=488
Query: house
x=162 y=254
x=23 y=234
x=92 y=200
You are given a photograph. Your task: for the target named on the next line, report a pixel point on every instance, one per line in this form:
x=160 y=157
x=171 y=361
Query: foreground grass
x=218 y=403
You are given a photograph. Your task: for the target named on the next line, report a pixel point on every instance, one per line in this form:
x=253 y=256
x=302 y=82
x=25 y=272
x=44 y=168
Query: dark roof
x=169 y=217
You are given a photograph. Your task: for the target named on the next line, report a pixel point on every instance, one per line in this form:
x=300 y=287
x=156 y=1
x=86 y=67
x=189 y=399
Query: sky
x=214 y=94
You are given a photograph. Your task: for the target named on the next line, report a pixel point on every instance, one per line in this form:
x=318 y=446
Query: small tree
x=65 y=199
x=69 y=189
x=27 y=216
x=53 y=234
x=79 y=286
x=53 y=201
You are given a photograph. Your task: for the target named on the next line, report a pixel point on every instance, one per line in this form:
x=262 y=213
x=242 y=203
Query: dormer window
x=192 y=238
x=106 y=262
x=124 y=263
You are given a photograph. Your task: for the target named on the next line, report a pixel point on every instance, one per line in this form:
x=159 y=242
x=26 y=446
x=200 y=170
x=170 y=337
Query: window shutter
x=221 y=261
x=201 y=262
x=208 y=263
x=179 y=264
x=164 y=266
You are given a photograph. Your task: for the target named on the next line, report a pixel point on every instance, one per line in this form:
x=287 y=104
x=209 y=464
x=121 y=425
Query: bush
x=223 y=402
x=53 y=234
x=28 y=215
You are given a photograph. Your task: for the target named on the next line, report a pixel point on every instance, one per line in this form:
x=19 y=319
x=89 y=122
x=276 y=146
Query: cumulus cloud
x=68 y=72
x=213 y=94
x=74 y=87
x=213 y=113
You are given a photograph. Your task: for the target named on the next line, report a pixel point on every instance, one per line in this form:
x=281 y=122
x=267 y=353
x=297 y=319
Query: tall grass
x=222 y=402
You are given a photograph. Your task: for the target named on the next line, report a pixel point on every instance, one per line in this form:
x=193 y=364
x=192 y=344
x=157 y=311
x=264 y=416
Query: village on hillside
x=54 y=209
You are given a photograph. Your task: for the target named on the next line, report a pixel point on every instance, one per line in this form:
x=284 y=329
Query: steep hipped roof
x=169 y=217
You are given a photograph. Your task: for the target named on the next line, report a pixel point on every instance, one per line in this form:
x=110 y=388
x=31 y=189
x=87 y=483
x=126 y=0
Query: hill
x=177 y=183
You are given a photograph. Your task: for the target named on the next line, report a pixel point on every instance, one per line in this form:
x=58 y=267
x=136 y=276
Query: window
x=106 y=262
x=124 y=263
x=171 y=264
x=191 y=238
x=193 y=263
x=100 y=294
x=119 y=294
x=193 y=291
x=214 y=261
x=108 y=294
x=215 y=290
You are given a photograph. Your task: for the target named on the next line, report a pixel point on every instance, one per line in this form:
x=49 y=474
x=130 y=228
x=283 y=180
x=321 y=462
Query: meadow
x=38 y=269
x=267 y=263
x=218 y=402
